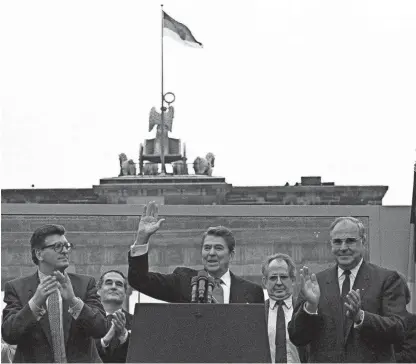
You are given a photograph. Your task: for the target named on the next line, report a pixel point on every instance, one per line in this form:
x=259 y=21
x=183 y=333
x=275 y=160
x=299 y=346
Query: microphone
x=194 y=284
x=202 y=282
x=211 y=283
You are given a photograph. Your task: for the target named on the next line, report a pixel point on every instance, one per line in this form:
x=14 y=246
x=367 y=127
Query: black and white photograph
x=208 y=181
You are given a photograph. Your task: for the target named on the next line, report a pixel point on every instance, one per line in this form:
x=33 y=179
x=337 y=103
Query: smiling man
x=53 y=316
x=217 y=251
x=112 y=288
x=354 y=311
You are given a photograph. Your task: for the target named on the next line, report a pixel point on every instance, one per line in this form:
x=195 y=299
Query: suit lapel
x=66 y=316
x=44 y=321
x=333 y=295
x=266 y=307
x=238 y=293
x=361 y=282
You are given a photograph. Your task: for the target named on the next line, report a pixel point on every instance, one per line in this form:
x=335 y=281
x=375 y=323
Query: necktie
x=54 y=316
x=281 y=353
x=346 y=284
x=346 y=287
x=218 y=292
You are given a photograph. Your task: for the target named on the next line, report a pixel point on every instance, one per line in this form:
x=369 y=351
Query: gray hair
x=279 y=256
x=360 y=225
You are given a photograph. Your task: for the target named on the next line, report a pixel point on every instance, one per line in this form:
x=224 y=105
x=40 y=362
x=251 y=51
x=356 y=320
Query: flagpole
x=162 y=109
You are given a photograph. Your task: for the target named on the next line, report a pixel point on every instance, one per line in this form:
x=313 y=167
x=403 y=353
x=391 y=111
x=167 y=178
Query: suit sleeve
x=388 y=327
x=92 y=317
x=17 y=319
x=160 y=286
x=406 y=351
x=303 y=327
x=259 y=295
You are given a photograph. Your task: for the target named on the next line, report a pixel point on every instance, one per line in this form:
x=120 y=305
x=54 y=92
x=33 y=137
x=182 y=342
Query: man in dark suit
x=352 y=312
x=279 y=277
x=53 y=316
x=406 y=350
x=218 y=249
x=112 y=288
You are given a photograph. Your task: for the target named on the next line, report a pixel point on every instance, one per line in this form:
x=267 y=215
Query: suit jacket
x=119 y=353
x=33 y=338
x=406 y=351
x=383 y=301
x=176 y=287
x=302 y=351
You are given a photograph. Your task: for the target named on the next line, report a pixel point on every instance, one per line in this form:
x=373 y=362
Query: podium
x=199 y=333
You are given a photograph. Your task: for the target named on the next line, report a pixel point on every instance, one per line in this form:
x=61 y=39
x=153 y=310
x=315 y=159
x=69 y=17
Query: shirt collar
x=288 y=302
x=354 y=270
x=42 y=276
x=225 y=278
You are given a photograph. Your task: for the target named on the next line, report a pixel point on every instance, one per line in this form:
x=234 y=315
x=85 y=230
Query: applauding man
x=352 y=312
x=217 y=250
x=53 y=316
x=112 y=288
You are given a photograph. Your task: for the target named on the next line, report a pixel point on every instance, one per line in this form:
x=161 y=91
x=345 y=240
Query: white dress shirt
x=138 y=250
x=291 y=349
x=353 y=275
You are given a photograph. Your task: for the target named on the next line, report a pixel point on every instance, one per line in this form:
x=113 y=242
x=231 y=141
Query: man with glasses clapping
x=352 y=312
x=52 y=315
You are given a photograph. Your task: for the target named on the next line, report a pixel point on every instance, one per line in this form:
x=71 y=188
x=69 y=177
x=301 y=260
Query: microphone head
x=194 y=280
x=211 y=280
x=202 y=273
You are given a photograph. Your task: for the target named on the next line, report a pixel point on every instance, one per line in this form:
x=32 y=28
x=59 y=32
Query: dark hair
x=224 y=233
x=39 y=236
x=101 y=280
x=279 y=256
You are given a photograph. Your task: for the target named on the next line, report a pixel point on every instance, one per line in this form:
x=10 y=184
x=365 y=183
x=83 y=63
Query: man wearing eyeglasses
x=53 y=316
x=352 y=312
x=279 y=278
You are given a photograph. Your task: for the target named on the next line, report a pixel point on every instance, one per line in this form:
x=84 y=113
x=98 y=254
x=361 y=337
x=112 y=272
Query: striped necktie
x=218 y=292
x=54 y=315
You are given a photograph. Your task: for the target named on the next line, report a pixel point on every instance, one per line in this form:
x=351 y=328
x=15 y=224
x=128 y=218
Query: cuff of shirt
x=310 y=313
x=37 y=311
x=102 y=343
x=358 y=325
x=123 y=337
x=138 y=250
x=75 y=310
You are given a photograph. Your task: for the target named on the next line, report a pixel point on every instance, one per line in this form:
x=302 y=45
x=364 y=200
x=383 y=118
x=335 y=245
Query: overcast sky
x=281 y=89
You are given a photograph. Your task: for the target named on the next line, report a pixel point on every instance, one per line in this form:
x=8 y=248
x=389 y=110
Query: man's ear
x=263 y=282
x=38 y=254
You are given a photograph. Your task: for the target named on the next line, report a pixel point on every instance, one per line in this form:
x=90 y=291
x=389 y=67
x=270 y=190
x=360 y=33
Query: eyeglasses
x=58 y=247
x=347 y=241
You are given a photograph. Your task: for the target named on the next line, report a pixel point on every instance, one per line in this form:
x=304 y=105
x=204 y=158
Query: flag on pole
x=411 y=268
x=179 y=31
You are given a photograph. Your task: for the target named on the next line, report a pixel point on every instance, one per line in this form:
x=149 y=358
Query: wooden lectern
x=199 y=333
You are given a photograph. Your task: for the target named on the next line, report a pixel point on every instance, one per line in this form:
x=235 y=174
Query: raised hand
x=65 y=286
x=353 y=305
x=310 y=287
x=44 y=289
x=149 y=223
